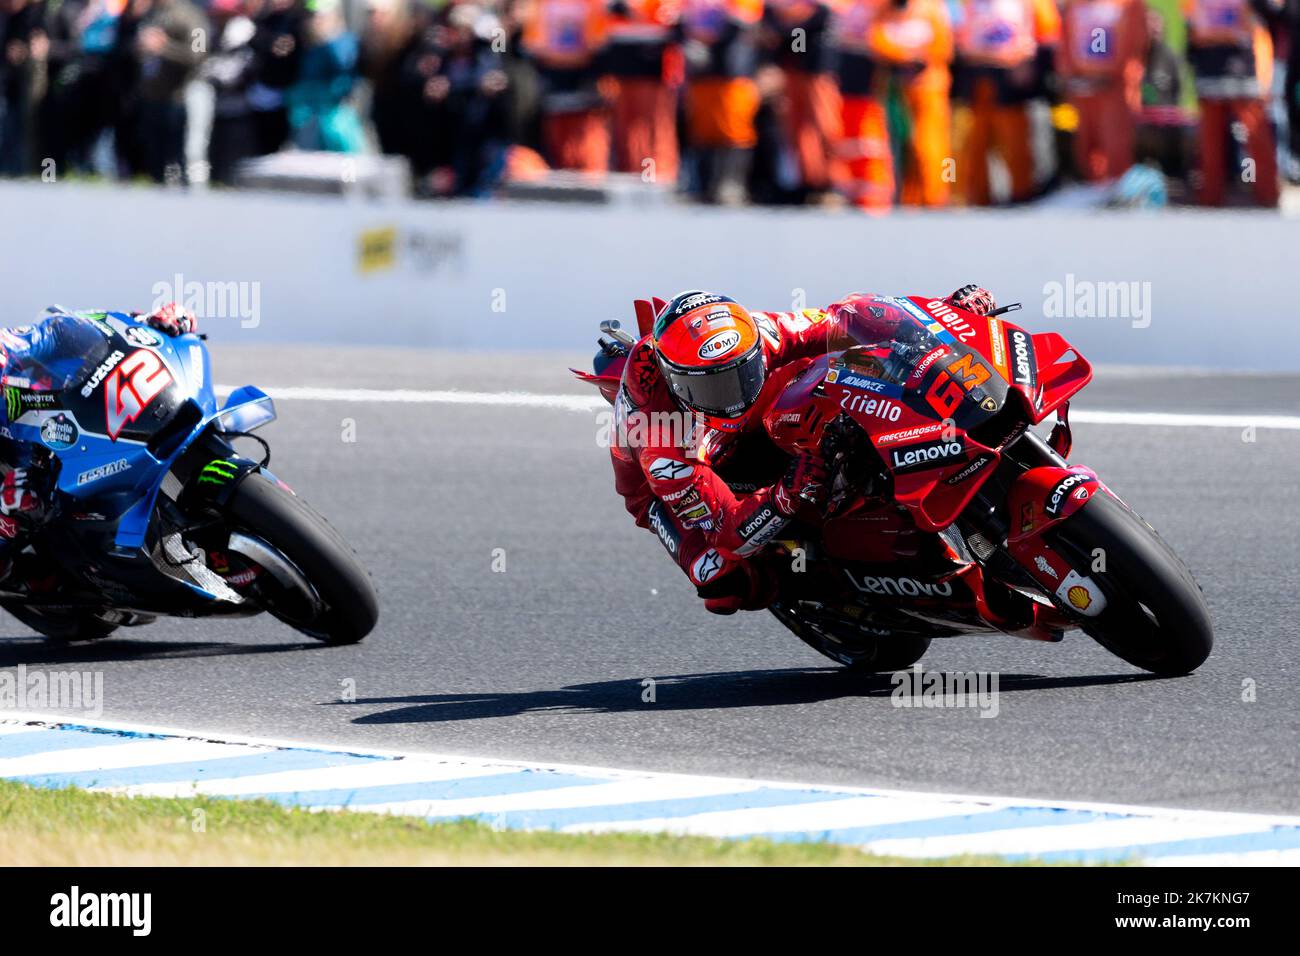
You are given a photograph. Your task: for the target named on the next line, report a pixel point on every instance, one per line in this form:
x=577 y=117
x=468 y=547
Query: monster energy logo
x=18 y=401
x=218 y=472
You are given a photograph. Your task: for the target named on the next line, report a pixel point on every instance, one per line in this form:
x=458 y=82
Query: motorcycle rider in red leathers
x=712 y=499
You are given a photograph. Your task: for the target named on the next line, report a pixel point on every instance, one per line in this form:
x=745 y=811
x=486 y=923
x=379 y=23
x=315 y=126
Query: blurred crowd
x=869 y=102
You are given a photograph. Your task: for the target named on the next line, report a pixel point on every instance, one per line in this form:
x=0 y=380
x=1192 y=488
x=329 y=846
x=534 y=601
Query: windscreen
x=882 y=339
x=62 y=352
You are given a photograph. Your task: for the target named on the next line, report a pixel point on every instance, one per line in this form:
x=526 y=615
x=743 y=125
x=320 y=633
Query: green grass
x=40 y=827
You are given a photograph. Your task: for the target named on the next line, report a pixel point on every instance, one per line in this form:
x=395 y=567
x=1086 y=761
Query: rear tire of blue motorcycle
x=286 y=522
x=67 y=628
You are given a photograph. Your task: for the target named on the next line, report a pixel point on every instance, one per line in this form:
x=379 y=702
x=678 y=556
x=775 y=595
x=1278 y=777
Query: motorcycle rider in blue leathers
x=26 y=488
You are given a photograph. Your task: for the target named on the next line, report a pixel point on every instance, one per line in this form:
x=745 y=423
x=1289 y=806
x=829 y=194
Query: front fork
x=1034 y=491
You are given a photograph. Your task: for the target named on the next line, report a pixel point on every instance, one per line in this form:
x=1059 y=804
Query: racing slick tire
x=63 y=627
x=845 y=643
x=1155 y=615
x=348 y=606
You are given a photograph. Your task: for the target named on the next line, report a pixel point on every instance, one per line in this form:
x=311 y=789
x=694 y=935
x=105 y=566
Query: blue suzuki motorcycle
x=154 y=511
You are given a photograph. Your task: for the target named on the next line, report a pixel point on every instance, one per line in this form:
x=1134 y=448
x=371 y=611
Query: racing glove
x=171 y=319
x=21 y=502
x=749 y=586
x=804 y=482
x=973 y=298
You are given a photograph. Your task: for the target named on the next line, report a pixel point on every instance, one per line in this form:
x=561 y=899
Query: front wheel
x=345 y=607
x=1155 y=615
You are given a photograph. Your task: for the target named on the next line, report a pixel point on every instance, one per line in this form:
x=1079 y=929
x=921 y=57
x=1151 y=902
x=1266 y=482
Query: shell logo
x=1079 y=597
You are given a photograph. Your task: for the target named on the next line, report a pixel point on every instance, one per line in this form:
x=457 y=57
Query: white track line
x=568 y=403
x=565 y=798
x=819 y=816
x=1245 y=820
x=305 y=781
x=1253 y=858
x=118 y=755
x=1095 y=835
x=1181 y=420
x=592 y=403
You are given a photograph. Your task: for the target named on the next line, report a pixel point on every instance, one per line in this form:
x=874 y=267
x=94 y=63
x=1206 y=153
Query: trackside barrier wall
x=1193 y=288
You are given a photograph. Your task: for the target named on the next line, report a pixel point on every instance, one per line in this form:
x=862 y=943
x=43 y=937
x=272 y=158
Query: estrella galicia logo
x=59 y=432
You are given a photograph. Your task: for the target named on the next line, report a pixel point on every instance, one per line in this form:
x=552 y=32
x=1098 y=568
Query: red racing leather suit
x=674 y=488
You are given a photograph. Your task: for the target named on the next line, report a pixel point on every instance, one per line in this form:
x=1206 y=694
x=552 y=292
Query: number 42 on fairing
x=130 y=387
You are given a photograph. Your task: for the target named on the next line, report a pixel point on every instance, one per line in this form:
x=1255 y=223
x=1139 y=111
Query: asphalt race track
x=546 y=660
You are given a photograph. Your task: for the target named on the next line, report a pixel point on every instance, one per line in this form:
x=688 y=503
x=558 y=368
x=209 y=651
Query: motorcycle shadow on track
x=724 y=690
x=37 y=651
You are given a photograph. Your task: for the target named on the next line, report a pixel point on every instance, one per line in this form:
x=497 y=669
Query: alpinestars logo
x=669 y=469
x=706 y=566
x=930 y=455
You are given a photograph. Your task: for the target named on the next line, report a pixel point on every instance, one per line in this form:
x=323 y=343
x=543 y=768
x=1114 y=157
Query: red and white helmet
x=711 y=353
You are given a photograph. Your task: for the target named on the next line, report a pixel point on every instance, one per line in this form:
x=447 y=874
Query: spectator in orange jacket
x=646 y=68
x=797 y=34
x=1232 y=58
x=1004 y=49
x=563 y=37
x=912 y=42
x=719 y=45
x=866 y=168
x=1102 y=60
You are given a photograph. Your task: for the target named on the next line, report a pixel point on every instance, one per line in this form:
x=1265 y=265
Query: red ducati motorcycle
x=947 y=514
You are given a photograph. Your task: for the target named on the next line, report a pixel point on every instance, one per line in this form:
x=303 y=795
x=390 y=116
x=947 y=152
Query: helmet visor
x=725 y=392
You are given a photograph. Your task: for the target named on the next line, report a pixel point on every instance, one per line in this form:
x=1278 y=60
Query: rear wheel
x=340 y=605
x=1155 y=615
x=64 y=627
x=859 y=647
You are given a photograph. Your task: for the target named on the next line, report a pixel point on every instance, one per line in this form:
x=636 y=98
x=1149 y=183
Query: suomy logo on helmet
x=715 y=346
